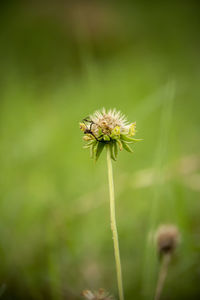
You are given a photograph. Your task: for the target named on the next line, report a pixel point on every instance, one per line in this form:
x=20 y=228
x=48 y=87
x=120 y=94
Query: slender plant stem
x=162 y=275
x=114 y=226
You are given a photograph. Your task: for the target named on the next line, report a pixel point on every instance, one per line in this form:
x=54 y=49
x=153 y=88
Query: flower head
x=108 y=127
x=167 y=238
x=101 y=294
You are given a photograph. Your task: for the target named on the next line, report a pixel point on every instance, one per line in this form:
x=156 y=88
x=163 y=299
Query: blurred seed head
x=167 y=238
x=101 y=294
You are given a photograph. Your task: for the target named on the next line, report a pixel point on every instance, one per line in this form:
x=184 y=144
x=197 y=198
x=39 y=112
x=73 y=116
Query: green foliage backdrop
x=55 y=237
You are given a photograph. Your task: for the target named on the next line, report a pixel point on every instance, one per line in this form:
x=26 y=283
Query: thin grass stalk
x=162 y=275
x=114 y=226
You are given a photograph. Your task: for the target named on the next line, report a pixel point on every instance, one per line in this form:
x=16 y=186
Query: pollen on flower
x=107 y=121
x=132 y=129
x=83 y=127
x=116 y=131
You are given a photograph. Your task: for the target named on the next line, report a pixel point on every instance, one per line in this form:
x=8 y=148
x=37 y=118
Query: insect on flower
x=87 y=130
x=108 y=127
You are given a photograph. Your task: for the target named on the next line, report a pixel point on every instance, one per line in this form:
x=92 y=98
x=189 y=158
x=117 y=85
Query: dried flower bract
x=167 y=237
x=109 y=128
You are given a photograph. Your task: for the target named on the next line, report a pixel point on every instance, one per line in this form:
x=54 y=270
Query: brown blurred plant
x=167 y=238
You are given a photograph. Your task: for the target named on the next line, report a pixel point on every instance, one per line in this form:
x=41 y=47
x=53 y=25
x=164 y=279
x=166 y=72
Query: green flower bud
x=116 y=130
x=106 y=138
x=132 y=129
x=88 y=137
x=83 y=127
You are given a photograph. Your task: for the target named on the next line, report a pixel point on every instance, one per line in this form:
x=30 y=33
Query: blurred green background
x=60 y=61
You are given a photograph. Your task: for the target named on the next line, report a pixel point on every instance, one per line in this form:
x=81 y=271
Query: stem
x=162 y=275
x=114 y=226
